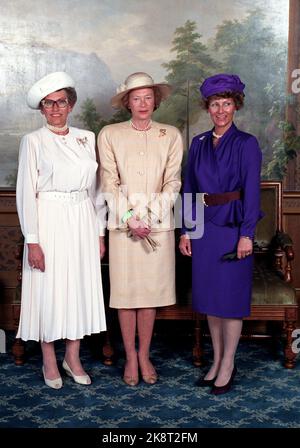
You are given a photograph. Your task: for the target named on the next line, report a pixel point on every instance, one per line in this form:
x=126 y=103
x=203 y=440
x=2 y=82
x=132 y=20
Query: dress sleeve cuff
x=101 y=231
x=31 y=238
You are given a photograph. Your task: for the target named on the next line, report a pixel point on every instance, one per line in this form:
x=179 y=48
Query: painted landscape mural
x=100 y=42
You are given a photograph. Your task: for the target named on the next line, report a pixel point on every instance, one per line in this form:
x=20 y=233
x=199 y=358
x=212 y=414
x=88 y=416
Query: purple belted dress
x=221 y=287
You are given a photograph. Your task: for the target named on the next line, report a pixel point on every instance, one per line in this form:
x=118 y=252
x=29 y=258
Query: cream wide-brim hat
x=139 y=80
x=48 y=84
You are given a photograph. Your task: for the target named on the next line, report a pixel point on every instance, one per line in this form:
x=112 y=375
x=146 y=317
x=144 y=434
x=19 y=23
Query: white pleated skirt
x=65 y=301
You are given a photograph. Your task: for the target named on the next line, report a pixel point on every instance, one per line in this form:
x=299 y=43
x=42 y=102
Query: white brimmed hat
x=48 y=84
x=138 y=80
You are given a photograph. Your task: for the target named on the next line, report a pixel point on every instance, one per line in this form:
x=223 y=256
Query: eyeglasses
x=49 y=104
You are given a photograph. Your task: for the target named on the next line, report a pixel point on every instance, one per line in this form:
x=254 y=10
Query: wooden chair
x=183 y=308
x=273 y=297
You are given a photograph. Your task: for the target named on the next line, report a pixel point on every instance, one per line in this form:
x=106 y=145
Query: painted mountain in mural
x=20 y=66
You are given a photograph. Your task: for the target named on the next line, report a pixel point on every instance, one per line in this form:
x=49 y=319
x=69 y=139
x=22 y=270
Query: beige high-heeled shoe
x=150 y=379
x=130 y=380
x=80 y=379
x=54 y=384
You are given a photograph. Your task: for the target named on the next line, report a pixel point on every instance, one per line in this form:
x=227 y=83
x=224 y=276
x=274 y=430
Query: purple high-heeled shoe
x=218 y=390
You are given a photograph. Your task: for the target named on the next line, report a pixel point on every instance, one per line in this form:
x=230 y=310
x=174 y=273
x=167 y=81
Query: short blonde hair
x=157 y=98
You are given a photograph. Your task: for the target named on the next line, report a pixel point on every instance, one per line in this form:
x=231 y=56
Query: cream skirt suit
x=140 y=170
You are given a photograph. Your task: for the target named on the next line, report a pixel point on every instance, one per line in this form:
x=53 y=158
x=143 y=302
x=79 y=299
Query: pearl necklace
x=138 y=129
x=56 y=128
x=216 y=135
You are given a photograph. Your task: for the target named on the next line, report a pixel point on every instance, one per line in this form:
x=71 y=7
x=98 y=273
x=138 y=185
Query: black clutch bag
x=230 y=256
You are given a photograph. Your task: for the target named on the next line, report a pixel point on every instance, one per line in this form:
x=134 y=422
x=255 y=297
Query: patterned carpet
x=265 y=394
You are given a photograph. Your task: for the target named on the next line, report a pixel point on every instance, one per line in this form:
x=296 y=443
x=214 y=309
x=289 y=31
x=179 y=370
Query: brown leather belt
x=220 y=198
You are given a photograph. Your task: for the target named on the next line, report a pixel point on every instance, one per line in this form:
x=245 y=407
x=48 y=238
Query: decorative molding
x=291 y=203
x=7 y=201
x=297 y=170
x=275 y=185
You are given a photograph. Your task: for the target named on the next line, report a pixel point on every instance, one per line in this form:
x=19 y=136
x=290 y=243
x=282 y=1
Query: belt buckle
x=203 y=199
x=75 y=196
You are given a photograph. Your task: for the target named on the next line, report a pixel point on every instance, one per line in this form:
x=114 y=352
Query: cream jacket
x=140 y=170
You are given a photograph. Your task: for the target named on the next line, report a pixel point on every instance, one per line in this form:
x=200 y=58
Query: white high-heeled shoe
x=80 y=379
x=55 y=384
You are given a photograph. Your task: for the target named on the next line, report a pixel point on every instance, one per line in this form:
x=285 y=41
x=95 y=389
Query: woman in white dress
x=61 y=217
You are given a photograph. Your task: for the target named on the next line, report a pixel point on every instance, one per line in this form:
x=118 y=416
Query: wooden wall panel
x=291 y=225
x=10 y=235
x=292 y=178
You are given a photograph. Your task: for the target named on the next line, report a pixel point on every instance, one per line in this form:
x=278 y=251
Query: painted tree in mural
x=190 y=66
x=90 y=117
x=92 y=120
x=252 y=50
x=248 y=48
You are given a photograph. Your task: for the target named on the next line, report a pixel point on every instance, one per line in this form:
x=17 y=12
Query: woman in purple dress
x=224 y=164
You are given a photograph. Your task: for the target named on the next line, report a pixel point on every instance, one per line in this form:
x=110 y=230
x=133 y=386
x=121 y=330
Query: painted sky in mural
x=132 y=33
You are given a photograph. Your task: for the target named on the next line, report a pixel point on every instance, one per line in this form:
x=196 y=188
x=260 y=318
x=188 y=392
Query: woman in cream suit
x=140 y=176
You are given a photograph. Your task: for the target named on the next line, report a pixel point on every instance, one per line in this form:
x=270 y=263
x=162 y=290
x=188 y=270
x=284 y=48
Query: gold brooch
x=162 y=132
x=82 y=141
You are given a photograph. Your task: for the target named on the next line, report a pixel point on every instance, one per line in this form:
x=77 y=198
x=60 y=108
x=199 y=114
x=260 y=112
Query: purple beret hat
x=222 y=82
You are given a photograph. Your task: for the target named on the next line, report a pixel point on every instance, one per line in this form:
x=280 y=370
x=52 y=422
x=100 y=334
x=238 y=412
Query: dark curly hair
x=71 y=95
x=237 y=97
